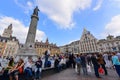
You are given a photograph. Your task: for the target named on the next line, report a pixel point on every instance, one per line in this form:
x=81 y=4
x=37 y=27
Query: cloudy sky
x=61 y=21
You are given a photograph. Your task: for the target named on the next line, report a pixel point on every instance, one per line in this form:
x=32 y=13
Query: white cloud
x=98 y=5
x=113 y=27
x=61 y=11
x=19 y=29
x=73 y=41
x=26 y=5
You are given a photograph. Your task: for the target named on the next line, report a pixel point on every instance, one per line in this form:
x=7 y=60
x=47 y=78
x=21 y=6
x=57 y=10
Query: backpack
x=78 y=60
x=48 y=64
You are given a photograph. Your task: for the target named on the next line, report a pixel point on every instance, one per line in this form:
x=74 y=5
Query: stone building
x=8 y=44
x=12 y=47
x=110 y=44
x=41 y=47
x=64 y=48
x=88 y=43
x=3 y=41
x=73 y=47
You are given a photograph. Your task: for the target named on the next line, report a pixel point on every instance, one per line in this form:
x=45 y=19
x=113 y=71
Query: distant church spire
x=47 y=41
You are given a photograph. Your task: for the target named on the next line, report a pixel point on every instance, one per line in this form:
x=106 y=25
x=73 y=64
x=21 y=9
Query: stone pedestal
x=27 y=52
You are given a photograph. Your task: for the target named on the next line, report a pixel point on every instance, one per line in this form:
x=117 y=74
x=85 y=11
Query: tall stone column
x=28 y=48
x=32 y=29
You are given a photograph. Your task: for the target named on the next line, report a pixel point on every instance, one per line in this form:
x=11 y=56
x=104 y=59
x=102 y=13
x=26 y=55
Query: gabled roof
x=86 y=34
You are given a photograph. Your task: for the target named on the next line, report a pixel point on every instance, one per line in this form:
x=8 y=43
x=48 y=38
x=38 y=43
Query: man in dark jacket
x=83 y=64
x=38 y=69
x=95 y=65
x=56 y=64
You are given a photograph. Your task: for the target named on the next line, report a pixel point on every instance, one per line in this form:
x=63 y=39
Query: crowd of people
x=13 y=70
x=32 y=70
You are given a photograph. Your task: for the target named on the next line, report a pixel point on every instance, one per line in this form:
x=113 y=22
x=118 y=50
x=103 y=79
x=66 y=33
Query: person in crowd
x=105 y=56
x=63 y=62
x=1 y=71
x=102 y=63
x=28 y=68
x=56 y=64
x=116 y=63
x=110 y=65
x=95 y=65
x=10 y=64
x=83 y=64
x=78 y=63
x=38 y=68
x=118 y=54
x=46 y=58
x=89 y=59
x=17 y=69
x=72 y=60
x=67 y=62
x=8 y=68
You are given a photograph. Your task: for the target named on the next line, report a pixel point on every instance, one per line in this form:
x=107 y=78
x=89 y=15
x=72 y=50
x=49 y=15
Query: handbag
x=89 y=68
x=101 y=70
x=76 y=70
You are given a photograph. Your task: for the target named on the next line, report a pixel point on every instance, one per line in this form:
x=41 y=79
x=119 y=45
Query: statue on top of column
x=36 y=11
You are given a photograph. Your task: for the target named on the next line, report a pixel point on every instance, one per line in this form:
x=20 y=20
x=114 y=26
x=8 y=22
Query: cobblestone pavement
x=70 y=74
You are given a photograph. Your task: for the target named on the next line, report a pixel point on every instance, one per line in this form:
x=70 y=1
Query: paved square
x=70 y=74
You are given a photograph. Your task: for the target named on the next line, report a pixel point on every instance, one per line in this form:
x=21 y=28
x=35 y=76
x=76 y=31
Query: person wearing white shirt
x=28 y=68
x=63 y=63
x=105 y=56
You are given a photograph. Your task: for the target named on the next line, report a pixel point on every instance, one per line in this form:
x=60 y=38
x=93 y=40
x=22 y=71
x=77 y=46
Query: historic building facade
x=3 y=41
x=12 y=47
x=41 y=47
x=110 y=44
x=8 y=44
x=65 y=49
x=73 y=47
x=88 y=43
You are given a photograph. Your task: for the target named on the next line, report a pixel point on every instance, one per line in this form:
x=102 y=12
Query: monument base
x=25 y=52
